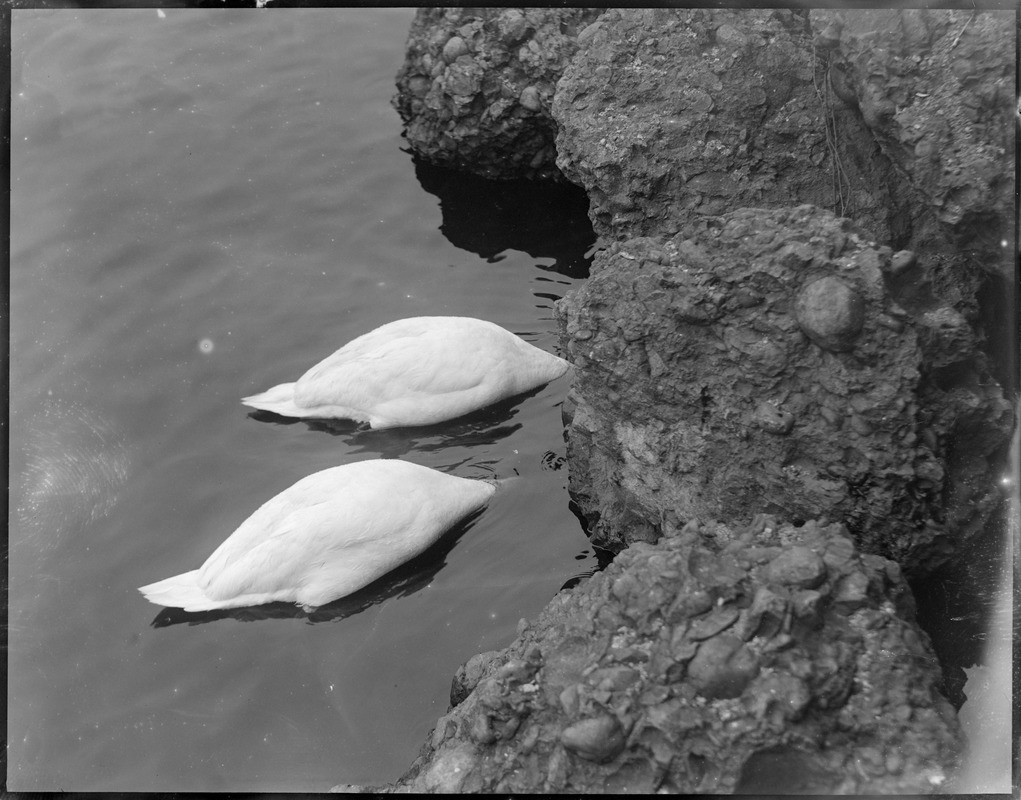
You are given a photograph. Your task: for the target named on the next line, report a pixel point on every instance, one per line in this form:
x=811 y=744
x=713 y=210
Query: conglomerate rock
x=760 y=360
x=668 y=113
x=898 y=119
x=738 y=350
x=773 y=658
x=936 y=89
x=476 y=87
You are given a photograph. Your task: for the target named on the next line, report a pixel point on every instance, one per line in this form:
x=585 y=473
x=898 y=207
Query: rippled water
x=204 y=204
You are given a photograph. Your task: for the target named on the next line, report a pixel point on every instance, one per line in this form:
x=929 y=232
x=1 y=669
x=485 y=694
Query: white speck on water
x=206 y=346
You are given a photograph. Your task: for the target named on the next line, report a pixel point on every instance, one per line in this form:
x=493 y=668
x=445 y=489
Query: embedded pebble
x=830 y=313
x=462 y=80
x=570 y=700
x=713 y=623
x=419 y=86
x=689 y=605
x=766 y=614
x=797 y=566
x=614 y=678
x=861 y=426
x=807 y=605
x=486 y=729
x=595 y=739
x=513 y=27
x=722 y=668
x=454 y=47
x=852 y=591
x=529 y=98
x=772 y=420
x=448 y=771
x=515 y=672
x=589 y=31
x=468 y=676
x=902 y=261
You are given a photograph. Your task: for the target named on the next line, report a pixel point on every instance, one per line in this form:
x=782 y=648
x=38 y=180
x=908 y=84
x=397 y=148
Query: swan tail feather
x=180 y=591
x=279 y=400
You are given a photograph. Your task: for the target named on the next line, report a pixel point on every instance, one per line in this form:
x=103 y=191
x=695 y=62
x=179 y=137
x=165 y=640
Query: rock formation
x=476 y=87
x=803 y=220
x=933 y=88
x=773 y=658
x=765 y=363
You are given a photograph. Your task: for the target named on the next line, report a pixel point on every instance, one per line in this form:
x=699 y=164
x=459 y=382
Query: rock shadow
x=487 y=217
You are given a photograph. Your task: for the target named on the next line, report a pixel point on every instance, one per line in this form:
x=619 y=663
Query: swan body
x=328 y=535
x=415 y=371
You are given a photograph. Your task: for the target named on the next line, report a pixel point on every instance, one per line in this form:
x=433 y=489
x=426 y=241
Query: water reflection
x=488 y=217
x=403 y=581
x=486 y=426
x=67 y=473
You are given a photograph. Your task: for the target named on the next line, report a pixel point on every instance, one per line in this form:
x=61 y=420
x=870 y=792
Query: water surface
x=205 y=203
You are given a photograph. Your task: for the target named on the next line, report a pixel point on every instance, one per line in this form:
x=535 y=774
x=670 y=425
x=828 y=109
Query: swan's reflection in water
x=403 y=581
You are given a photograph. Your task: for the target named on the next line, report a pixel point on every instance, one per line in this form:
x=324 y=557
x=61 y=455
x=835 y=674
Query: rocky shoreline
x=783 y=404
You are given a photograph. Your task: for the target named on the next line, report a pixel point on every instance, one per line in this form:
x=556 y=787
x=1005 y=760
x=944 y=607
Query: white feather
x=415 y=371
x=327 y=536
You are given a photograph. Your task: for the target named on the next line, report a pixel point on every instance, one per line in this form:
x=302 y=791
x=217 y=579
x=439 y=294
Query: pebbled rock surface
x=771 y=658
x=669 y=113
x=476 y=86
x=760 y=360
x=739 y=349
x=936 y=88
x=892 y=118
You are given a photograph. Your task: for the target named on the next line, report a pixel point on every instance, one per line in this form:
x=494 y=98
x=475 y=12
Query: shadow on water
x=483 y=427
x=403 y=581
x=957 y=604
x=487 y=217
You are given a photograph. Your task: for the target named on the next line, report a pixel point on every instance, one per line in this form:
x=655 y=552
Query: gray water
x=205 y=203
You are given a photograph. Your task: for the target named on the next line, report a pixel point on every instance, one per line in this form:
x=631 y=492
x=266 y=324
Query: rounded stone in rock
x=513 y=26
x=454 y=47
x=722 y=667
x=902 y=261
x=797 y=566
x=595 y=739
x=530 y=98
x=830 y=313
x=772 y=420
x=468 y=676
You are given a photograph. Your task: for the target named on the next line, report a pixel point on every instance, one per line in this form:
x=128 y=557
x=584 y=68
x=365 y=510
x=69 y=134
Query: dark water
x=204 y=204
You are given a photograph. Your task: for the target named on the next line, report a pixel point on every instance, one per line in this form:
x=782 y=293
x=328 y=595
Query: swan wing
x=346 y=543
x=336 y=531
x=426 y=370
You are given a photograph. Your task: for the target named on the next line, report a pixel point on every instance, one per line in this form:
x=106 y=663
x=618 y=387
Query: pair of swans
x=338 y=530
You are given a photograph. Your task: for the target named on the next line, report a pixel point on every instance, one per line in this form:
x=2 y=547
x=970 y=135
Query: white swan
x=327 y=536
x=415 y=371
